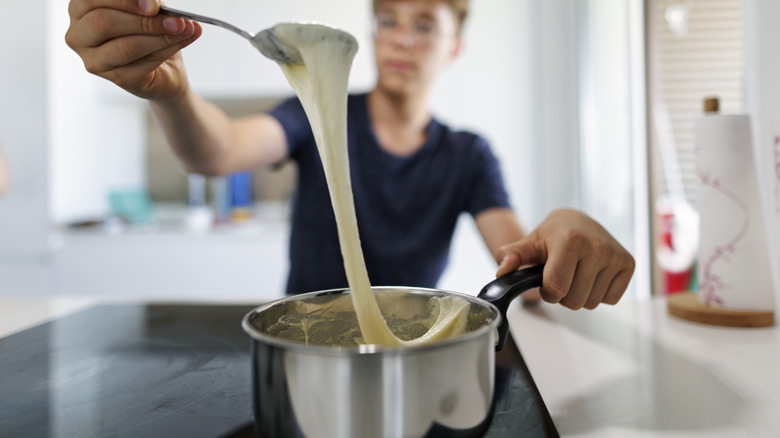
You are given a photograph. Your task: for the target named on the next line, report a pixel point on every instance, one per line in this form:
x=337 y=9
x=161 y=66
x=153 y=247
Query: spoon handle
x=164 y=10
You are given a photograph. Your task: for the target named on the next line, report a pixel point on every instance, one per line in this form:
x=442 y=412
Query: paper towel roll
x=733 y=260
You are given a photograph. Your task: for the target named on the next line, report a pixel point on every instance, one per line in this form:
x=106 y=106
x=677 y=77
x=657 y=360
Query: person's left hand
x=584 y=265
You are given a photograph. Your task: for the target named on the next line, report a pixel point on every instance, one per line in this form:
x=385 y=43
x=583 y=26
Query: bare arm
x=210 y=143
x=498 y=227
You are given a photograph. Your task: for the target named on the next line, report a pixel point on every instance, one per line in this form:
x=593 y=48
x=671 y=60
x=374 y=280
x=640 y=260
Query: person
x=412 y=175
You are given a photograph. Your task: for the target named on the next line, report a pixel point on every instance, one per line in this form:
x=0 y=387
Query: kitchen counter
x=633 y=370
x=127 y=369
x=627 y=371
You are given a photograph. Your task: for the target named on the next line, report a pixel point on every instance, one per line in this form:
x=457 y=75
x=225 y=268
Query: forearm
x=199 y=133
x=498 y=227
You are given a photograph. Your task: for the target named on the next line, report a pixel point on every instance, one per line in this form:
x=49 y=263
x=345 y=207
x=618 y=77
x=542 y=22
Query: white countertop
x=633 y=370
x=625 y=371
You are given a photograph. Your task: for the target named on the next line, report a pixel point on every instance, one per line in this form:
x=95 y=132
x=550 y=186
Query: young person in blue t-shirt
x=412 y=175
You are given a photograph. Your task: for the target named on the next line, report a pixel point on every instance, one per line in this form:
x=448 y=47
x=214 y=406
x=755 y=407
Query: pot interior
x=328 y=318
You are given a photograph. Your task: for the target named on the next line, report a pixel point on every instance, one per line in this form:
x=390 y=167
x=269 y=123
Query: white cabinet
x=246 y=264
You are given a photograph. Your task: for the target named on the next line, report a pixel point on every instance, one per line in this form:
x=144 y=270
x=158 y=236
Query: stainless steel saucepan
x=312 y=379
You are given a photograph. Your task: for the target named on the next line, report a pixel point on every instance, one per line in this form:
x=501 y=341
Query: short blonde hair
x=459 y=7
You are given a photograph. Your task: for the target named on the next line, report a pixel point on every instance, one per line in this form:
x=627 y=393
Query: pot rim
x=366 y=349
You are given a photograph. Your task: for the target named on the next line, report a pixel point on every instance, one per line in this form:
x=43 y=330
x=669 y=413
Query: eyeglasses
x=421 y=32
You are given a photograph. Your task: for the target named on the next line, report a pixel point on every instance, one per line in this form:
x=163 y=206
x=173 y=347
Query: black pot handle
x=501 y=291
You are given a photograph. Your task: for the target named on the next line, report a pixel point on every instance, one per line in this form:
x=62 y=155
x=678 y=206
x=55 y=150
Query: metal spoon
x=265 y=41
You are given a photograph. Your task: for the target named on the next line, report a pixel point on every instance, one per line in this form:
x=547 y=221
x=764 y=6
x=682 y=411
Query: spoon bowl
x=275 y=49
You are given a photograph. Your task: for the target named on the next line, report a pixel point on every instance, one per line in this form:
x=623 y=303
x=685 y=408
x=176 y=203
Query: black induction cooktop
x=173 y=370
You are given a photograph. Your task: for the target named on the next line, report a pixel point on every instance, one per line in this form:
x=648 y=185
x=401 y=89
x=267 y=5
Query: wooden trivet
x=687 y=306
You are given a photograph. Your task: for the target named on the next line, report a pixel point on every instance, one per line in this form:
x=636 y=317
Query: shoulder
x=467 y=151
x=463 y=141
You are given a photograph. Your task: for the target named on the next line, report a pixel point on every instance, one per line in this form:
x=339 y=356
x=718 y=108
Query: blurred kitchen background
x=588 y=103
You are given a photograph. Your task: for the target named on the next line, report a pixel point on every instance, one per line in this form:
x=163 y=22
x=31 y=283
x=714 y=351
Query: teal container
x=131 y=204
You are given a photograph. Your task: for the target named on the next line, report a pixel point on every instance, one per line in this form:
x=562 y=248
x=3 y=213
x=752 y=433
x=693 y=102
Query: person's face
x=413 y=41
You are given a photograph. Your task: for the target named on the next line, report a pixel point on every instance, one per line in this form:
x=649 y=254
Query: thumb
x=523 y=252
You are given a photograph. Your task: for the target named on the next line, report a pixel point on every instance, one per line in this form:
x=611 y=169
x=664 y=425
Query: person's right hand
x=126 y=42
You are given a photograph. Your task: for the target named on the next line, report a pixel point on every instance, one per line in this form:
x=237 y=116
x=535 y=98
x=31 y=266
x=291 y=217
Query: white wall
x=491 y=89
x=554 y=85
x=613 y=181
x=59 y=131
x=96 y=132
x=24 y=137
x=23 y=130
x=762 y=70
x=562 y=97
x=515 y=83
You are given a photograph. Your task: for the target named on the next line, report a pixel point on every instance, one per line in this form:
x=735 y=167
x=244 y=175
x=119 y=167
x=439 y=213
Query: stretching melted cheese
x=321 y=85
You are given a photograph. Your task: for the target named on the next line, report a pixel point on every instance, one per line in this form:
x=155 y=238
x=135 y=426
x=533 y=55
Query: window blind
x=690 y=57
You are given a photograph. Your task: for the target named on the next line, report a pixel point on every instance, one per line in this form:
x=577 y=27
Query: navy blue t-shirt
x=407 y=207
